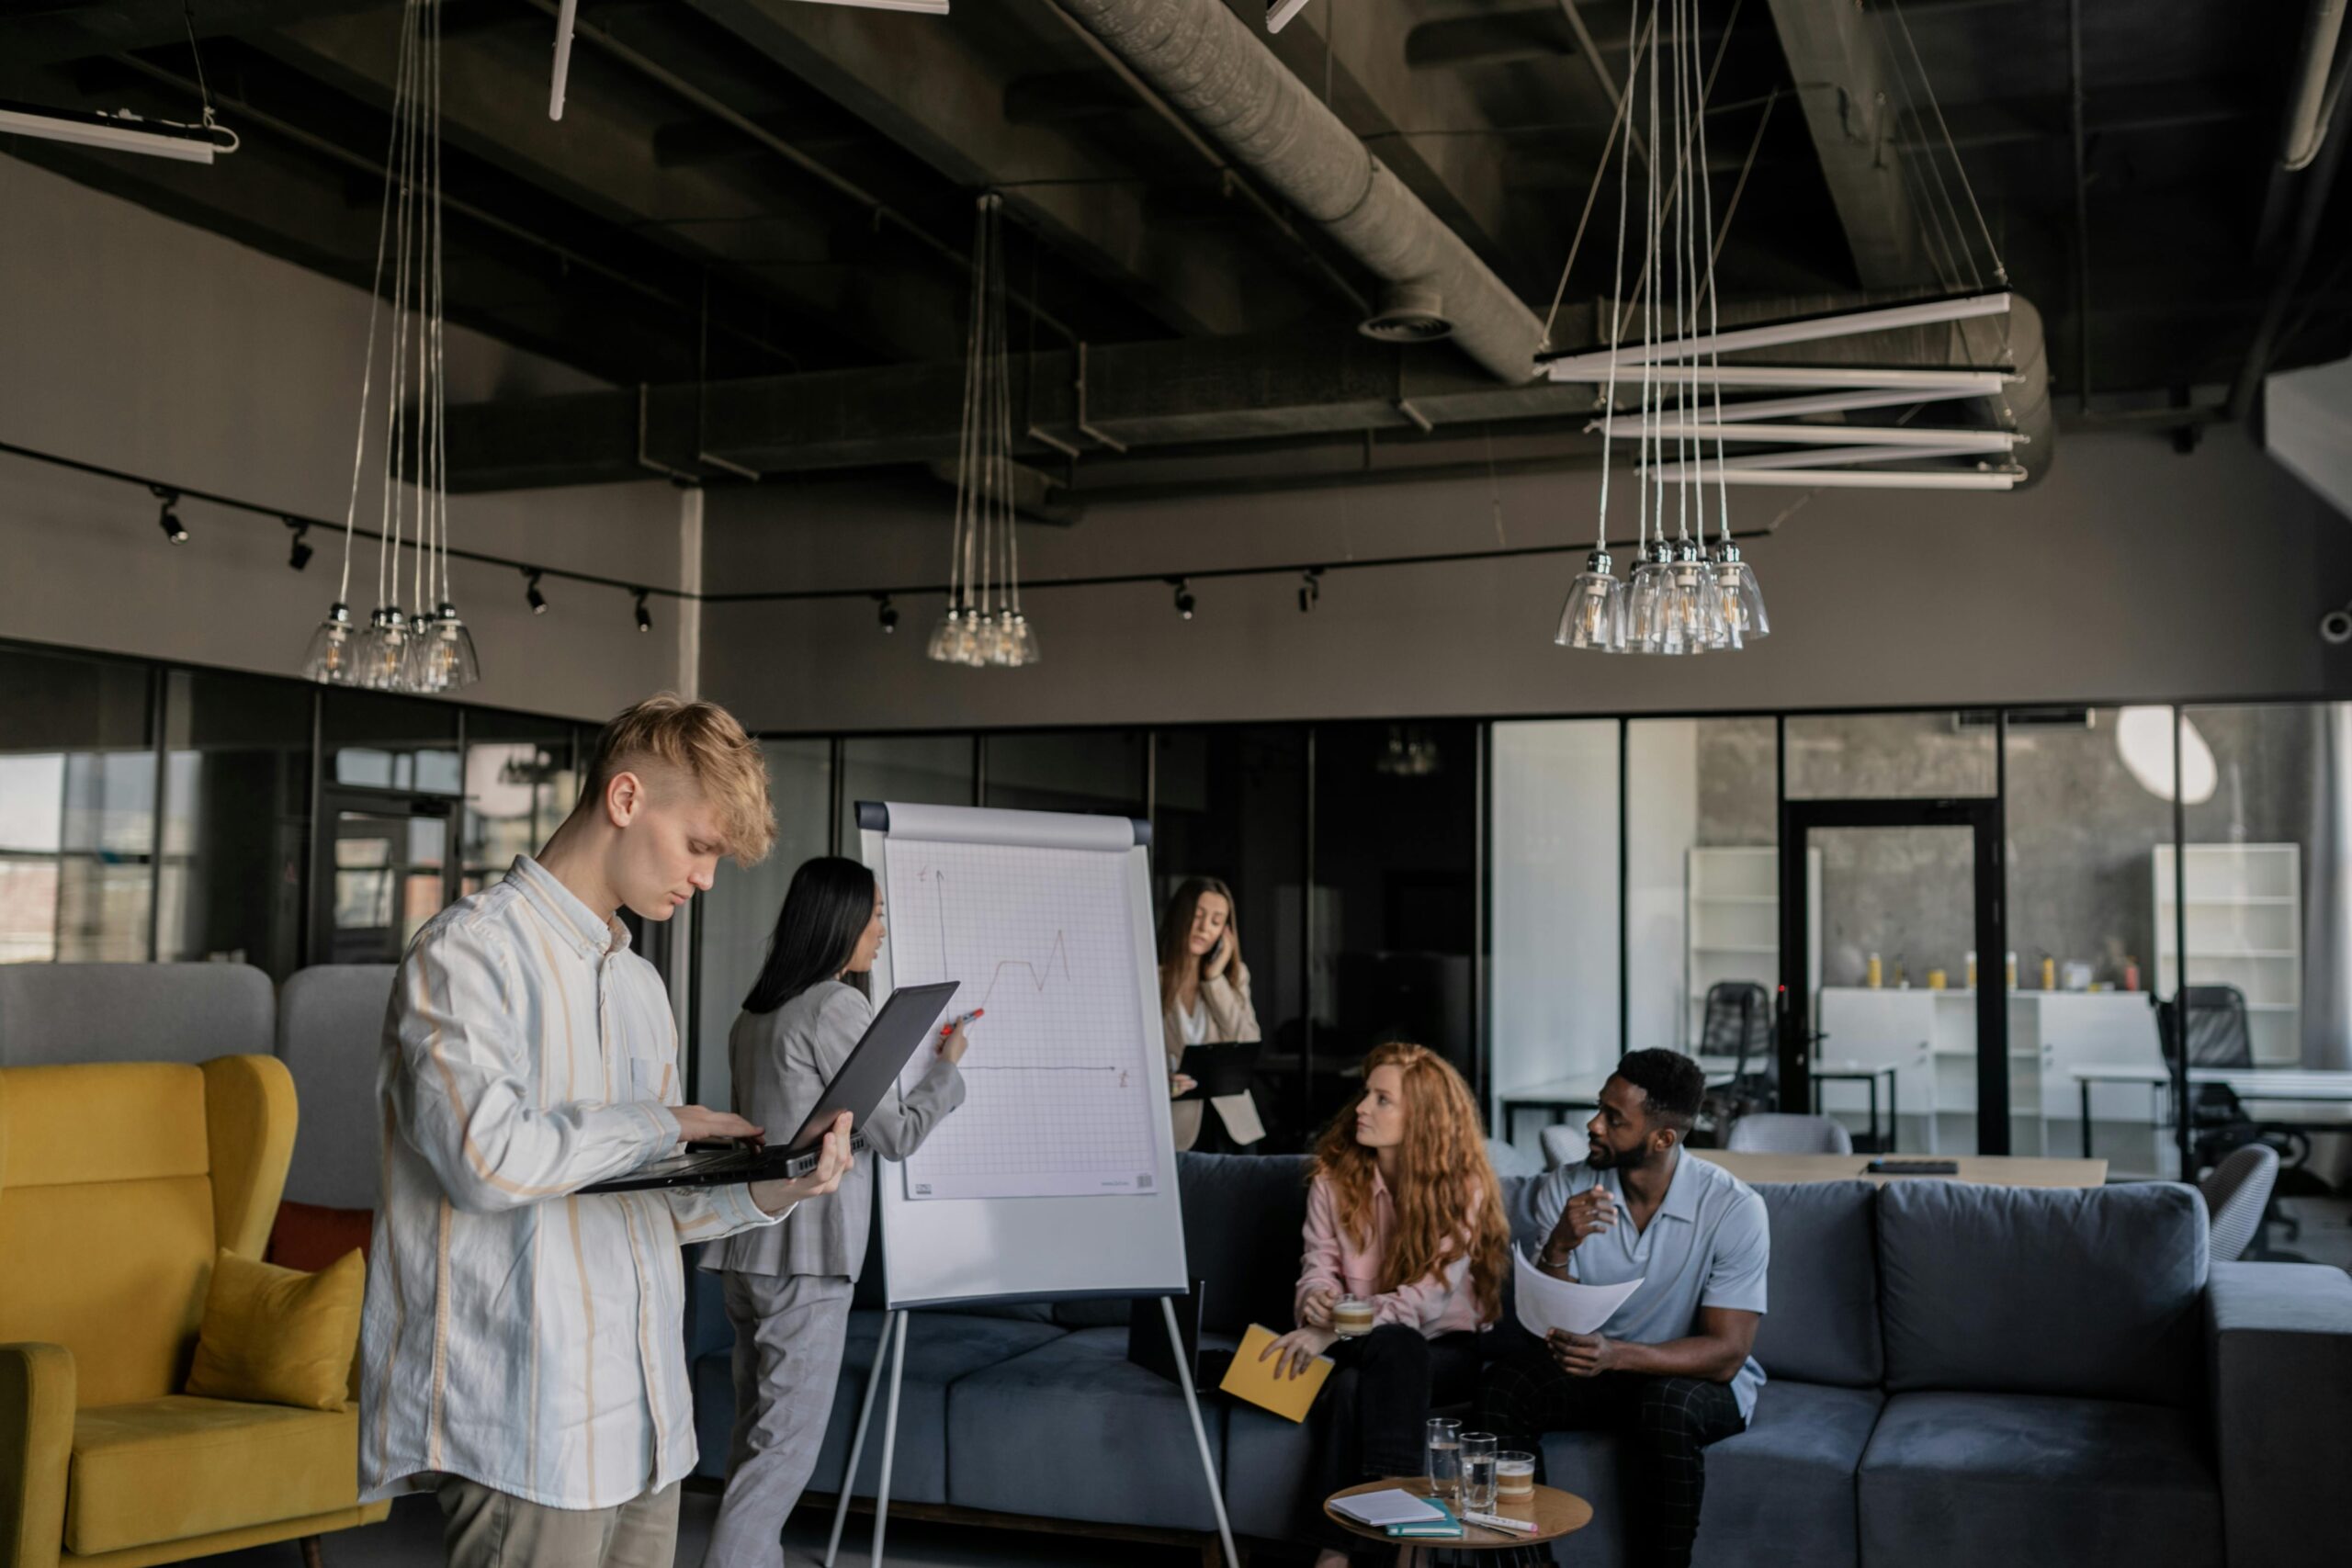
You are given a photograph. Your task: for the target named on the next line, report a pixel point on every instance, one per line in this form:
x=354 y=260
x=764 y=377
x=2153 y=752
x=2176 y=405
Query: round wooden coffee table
x=1555 y=1513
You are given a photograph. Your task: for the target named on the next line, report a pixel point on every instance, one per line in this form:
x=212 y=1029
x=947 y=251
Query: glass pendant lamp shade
x=1594 y=616
x=942 y=645
x=1740 y=598
x=1024 y=641
x=331 y=659
x=383 y=650
x=442 y=657
x=1695 y=601
x=1655 y=623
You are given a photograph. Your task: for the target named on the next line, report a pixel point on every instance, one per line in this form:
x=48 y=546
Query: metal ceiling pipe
x=1203 y=59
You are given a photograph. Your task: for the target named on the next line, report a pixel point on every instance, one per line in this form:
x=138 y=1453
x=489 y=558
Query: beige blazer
x=1232 y=1017
x=782 y=1061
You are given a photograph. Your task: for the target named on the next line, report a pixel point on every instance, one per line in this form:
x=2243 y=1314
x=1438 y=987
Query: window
x=77 y=809
x=519 y=783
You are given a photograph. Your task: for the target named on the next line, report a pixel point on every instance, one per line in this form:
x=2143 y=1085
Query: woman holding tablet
x=1405 y=1224
x=788 y=1290
x=1204 y=1000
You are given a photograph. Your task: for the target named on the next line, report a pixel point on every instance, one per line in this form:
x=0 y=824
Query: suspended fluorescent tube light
x=124 y=133
x=1885 y=478
x=1810 y=329
x=1954 y=383
x=1806 y=457
x=1830 y=403
x=1826 y=435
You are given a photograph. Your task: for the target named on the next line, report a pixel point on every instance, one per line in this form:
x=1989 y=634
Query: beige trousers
x=485 y=1528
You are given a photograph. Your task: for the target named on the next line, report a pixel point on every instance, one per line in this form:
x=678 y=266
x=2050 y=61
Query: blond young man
x=522 y=1346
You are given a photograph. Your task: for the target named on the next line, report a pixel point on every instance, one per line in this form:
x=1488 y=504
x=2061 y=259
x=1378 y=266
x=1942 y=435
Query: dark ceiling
x=750 y=187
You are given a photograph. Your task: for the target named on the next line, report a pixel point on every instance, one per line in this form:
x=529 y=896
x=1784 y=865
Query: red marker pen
x=959 y=1022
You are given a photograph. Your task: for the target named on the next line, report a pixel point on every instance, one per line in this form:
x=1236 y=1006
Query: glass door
x=390 y=872
x=1894 y=1004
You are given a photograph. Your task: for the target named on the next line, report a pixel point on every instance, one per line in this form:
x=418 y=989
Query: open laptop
x=902 y=1025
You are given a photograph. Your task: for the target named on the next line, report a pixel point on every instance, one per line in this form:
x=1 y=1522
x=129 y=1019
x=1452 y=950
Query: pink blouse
x=1439 y=1303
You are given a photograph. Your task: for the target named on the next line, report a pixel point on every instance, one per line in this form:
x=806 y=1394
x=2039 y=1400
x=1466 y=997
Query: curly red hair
x=1443 y=1186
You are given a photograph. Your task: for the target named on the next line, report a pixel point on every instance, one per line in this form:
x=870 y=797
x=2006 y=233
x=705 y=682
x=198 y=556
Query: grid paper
x=1061 y=1081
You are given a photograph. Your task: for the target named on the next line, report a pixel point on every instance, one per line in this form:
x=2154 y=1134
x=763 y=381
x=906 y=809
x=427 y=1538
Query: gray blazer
x=782 y=1062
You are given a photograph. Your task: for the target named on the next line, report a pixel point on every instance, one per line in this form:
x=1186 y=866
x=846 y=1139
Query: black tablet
x=1218 y=1069
x=904 y=1023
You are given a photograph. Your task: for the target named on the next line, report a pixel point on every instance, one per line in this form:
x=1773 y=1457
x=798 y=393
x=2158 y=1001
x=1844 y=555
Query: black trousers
x=1372 y=1413
x=1667 y=1421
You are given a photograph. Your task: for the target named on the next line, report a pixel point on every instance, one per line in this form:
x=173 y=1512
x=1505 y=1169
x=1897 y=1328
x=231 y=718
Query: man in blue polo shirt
x=1671 y=1368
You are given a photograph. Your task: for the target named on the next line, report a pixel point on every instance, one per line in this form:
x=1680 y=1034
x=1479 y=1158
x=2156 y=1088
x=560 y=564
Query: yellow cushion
x=275 y=1336
x=170 y=1469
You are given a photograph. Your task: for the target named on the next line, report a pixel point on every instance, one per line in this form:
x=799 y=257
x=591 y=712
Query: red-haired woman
x=1403 y=1211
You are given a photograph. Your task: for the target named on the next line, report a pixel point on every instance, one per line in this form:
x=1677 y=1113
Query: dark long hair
x=1176 y=933
x=824 y=913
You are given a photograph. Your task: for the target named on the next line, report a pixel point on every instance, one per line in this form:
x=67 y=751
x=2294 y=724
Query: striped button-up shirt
x=518 y=1332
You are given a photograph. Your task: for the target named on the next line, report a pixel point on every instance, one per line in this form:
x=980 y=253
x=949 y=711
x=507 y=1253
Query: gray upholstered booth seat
x=1075 y=1430
x=2029 y=1478
x=942 y=1347
x=1781 y=1492
x=52 y=1013
x=330 y=1028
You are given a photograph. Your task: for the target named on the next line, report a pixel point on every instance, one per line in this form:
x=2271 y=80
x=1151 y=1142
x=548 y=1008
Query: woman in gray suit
x=787 y=1287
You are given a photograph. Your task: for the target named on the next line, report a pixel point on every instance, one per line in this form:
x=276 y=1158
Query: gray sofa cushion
x=1821 y=1324
x=1781 y=1492
x=330 y=1028
x=54 y=1013
x=1075 y=1430
x=1243 y=1219
x=2024 y=1480
x=2091 y=1293
x=940 y=1348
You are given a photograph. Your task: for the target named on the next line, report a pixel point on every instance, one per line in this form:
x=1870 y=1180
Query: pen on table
x=952 y=1025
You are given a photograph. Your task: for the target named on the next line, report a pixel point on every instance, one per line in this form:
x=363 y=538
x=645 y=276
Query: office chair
x=2236 y=1193
x=2205 y=1026
x=1738 y=1023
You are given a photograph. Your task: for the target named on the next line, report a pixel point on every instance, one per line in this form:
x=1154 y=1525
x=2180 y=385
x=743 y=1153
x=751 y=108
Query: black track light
x=1310 y=589
x=644 y=616
x=169 y=521
x=886 y=614
x=531 y=594
x=297 y=555
x=1183 y=599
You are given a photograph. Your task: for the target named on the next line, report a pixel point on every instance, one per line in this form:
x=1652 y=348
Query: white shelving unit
x=2246 y=929
x=1732 y=922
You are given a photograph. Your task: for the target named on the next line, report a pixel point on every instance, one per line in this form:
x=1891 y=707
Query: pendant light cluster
x=1683 y=595
x=984 y=627
x=431 y=649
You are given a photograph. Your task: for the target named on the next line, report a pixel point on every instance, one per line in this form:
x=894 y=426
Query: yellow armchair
x=118 y=1182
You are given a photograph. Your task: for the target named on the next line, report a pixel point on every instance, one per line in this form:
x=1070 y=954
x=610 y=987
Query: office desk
x=1992 y=1171
x=2277 y=1084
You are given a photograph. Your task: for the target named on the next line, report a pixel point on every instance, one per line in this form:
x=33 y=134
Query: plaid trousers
x=1668 y=1420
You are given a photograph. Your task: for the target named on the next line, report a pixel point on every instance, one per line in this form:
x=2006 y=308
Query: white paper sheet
x=1380 y=1509
x=1545 y=1304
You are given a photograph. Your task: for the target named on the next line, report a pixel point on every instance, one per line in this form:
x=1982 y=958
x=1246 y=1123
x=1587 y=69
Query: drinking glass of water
x=1478 y=1470
x=1445 y=1459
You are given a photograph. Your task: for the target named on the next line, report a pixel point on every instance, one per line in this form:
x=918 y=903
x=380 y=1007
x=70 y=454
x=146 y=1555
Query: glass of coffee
x=1514 y=1477
x=1479 y=1472
x=1445 y=1459
x=1352 y=1318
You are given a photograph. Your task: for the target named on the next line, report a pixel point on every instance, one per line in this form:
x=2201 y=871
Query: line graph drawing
x=1057 y=1095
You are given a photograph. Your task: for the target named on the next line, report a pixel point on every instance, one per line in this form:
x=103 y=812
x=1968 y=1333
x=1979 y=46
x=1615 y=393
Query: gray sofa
x=1958 y=1373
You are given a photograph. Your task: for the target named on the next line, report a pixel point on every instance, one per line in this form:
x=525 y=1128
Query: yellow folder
x=1254 y=1380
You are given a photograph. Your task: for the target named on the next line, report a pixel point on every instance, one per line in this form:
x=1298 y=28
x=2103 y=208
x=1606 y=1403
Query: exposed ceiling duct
x=1203 y=60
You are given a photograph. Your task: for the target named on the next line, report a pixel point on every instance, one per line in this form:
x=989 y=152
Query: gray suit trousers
x=788 y=1333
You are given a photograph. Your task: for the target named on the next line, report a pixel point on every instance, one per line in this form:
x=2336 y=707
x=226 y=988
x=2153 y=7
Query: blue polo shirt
x=1708 y=1245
